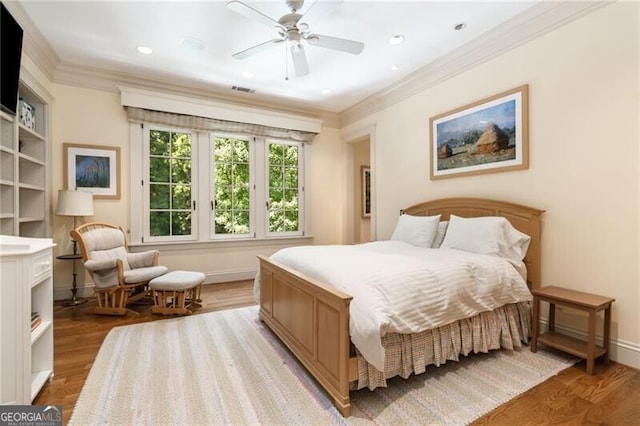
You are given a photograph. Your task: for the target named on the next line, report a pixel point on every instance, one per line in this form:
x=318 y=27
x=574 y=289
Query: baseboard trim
x=86 y=290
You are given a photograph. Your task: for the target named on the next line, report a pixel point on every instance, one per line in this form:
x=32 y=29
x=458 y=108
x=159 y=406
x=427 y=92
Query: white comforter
x=398 y=287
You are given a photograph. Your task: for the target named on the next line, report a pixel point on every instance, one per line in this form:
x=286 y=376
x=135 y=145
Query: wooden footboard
x=312 y=320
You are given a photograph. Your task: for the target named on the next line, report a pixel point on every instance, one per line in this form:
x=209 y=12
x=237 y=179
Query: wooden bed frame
x=312 y=318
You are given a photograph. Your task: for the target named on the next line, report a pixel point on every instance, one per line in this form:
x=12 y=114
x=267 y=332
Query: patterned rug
x=227 y=368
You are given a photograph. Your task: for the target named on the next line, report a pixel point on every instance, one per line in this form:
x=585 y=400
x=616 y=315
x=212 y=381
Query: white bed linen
x=398 y=287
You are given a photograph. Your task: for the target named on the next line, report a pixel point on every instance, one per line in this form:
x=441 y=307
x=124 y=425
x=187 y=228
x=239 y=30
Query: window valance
x=215 y=125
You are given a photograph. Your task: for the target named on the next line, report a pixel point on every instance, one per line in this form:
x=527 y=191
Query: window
x=169 y=174
x=237 y=187
x=250 y=187
x=283 y=205
x=232 y=195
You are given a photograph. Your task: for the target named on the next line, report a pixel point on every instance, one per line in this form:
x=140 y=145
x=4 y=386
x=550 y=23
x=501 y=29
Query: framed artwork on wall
x=366 y=191
x=490 y=135
x=92 y=168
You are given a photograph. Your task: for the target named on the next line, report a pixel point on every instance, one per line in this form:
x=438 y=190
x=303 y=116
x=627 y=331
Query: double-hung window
x=209 y=186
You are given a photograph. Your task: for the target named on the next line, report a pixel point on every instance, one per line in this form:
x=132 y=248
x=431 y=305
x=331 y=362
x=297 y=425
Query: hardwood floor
x=611 y=396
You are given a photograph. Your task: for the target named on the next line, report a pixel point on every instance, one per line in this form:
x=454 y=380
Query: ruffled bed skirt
x=505 y=327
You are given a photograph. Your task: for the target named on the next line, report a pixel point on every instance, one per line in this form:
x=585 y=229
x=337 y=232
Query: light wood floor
x=611 y=396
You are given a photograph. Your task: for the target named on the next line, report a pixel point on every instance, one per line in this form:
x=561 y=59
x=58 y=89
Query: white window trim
x=301 y=189
x=252 y=189
x=147 y=181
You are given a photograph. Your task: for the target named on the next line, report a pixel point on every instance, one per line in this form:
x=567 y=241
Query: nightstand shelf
x=590 y=303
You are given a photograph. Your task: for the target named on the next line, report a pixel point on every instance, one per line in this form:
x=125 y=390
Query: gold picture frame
x=490 y=135
x=92 y=168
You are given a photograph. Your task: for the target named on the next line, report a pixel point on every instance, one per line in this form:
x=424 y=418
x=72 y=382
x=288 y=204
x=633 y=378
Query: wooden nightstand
x=590 y=303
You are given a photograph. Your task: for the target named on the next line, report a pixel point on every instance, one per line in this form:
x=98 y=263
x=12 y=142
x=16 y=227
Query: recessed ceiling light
x=193 y=44
x=394 y=68
x=325 y=91
x=144 y=50
x=459 y=27
x=248 y=74
x=396 y=39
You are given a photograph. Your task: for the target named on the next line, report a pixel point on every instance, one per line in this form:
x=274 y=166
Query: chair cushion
x=110 y=254
x=103 y=239
x=177 y=280
x=139 y=275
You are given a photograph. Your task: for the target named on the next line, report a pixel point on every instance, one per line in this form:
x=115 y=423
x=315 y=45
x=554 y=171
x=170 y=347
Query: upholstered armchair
x=120 y=277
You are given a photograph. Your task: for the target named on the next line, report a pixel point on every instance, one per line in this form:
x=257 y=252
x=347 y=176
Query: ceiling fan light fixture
x=396 y=39
x=293 y=33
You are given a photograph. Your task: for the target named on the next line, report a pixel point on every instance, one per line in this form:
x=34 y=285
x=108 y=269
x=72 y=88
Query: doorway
x=362 y=191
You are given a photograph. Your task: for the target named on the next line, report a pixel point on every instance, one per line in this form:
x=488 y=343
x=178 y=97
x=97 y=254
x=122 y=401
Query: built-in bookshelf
x=26 y=317
x=23 y=178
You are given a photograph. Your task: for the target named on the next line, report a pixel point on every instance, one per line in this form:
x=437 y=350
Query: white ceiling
x=104 y=35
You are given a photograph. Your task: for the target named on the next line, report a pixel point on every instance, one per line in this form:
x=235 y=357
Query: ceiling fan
x=291 y=30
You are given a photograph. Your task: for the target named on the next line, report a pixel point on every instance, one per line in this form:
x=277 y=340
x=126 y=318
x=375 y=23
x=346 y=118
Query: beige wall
x=584 y=156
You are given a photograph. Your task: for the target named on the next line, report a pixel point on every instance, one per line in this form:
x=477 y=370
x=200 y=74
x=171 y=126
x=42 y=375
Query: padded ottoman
x=176 y=291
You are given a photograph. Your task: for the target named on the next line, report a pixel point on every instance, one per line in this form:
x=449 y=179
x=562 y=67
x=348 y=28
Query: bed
x=312 y=318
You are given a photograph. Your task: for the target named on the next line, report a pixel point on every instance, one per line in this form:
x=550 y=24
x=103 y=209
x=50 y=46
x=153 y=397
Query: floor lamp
x=75 y=204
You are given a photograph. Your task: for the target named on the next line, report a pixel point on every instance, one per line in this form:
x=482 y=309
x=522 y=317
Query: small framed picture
x=366 y=191
x=92 y=168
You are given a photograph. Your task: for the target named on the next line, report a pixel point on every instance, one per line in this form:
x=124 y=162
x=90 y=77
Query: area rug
x=227 y=368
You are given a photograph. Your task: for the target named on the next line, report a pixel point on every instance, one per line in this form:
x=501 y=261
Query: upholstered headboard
x=523 y=218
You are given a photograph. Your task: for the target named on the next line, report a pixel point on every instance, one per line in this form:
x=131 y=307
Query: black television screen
x=10 y=55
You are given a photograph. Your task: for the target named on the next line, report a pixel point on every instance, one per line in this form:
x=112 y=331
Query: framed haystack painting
x=490 y=135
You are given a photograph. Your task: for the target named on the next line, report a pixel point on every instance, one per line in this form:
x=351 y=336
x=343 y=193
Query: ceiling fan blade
x=335 y=43
x=243 y=54
x=318 y=10
x=299 y=59
x=251 y=13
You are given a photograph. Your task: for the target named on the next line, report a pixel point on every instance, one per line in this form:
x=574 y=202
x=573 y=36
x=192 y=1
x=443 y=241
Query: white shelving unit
x=23 y=179
x=26 y=352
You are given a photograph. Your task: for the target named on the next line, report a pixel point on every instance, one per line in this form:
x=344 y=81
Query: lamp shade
x=74 y=203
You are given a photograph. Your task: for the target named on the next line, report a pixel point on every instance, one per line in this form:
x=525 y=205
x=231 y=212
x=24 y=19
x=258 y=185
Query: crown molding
x=111 y=80
x=533 y=23
x=34 y=45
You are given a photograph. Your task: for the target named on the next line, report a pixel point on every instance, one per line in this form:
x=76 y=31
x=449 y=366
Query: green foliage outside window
x=232 y=194
x=169 y=183
x=283 y=187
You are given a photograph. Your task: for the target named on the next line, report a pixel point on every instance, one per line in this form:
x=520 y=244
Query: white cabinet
x=26 y=344
x=23 y=177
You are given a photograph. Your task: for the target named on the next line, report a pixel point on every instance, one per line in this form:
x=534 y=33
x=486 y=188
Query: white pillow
x=491 y=235
x=442 y=229
x=417 y=230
